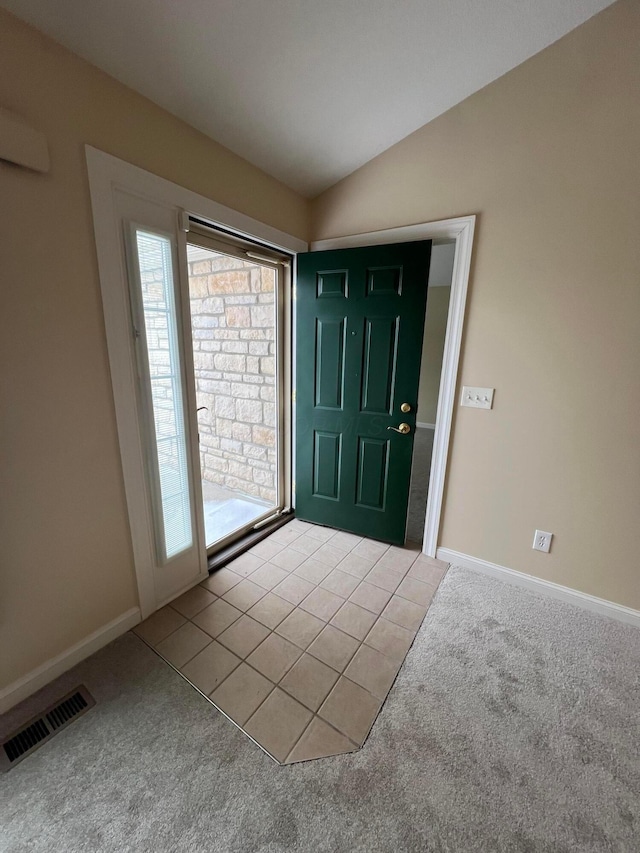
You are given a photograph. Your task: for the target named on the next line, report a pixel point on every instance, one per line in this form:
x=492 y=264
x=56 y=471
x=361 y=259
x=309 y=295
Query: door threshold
x=230 y=552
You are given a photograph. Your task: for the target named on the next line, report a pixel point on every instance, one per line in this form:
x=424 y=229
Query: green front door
x=359 y=327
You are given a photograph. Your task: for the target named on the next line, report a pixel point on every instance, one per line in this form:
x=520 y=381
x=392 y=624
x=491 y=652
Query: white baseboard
x=425 y=426
x=46 y=672
x=563 y=593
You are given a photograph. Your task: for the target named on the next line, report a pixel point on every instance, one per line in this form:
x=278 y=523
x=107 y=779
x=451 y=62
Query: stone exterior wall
x=233 y=321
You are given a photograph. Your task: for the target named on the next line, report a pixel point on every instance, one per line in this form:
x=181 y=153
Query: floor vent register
x=43 y=727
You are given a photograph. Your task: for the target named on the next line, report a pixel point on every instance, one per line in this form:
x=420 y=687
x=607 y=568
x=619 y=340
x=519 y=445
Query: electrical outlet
x=542 y=541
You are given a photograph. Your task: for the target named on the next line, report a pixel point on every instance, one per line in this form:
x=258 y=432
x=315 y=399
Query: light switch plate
x=477 y=398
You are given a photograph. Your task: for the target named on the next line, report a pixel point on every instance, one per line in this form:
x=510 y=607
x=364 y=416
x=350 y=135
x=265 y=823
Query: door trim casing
x=107 y=175
x=461 y=229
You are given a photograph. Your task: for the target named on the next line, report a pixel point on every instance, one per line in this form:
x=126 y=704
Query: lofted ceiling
x=308 y=90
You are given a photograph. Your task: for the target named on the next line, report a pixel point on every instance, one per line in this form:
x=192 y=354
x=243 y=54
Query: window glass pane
x=163 y=357
x=234 y=334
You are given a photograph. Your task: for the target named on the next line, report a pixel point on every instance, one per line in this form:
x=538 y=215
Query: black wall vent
x=43 y=727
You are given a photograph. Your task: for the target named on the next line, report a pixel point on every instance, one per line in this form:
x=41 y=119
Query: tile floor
x=299 y=640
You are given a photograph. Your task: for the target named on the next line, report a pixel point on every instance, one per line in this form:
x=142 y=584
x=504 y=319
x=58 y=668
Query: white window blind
x=166 y=392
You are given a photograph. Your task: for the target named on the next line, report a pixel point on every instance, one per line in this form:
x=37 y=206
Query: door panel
x=373 y=455
x=326 y=465
x=359 y=326
x=379 y=364
x=330 y=346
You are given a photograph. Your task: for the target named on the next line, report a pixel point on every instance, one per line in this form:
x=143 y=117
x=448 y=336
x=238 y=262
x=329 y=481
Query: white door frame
x=461 y=230
x=107 y=175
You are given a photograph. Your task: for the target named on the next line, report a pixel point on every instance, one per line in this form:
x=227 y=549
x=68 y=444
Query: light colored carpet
x=512 y=728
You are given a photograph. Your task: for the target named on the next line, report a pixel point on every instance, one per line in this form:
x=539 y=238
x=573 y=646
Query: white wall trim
x=120 y=173
x=460 y=229
x=421 y=425
x=54 y=667
x=563 y=593
x=442 y=229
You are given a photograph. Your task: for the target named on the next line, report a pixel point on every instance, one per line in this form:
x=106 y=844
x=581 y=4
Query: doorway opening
x=435 y=329
x=235 y=301
x=359 y=327
x=460 y=231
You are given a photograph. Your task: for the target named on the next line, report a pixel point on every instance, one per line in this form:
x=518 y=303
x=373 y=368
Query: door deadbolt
x=405 y=407
x=403 y=429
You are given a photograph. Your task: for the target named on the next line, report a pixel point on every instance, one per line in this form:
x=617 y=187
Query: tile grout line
x=316 y=716
x=378 y=615
x=341 y=674
x=245 y=661
x=210 y=700
x=170 y=634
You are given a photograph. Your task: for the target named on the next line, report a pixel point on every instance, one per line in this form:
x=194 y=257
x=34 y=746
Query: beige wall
x=435 y=327
x=547 y=156
x=66 y=565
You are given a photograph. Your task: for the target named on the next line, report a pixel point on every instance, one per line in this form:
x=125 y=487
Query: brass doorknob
x=405 y=407
x=403 y=429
